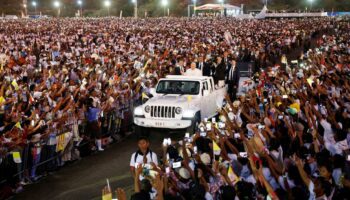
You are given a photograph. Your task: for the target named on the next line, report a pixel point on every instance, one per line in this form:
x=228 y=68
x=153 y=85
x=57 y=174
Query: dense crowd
x=66 y=75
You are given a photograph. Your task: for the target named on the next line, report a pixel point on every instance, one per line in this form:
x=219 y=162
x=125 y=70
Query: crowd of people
x=76 y=76
x=286 y=137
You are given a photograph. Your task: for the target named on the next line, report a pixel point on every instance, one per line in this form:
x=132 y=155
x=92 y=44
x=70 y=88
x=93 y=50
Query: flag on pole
x=15 y=85
x=107 y=194
x=146 y=64
x=2 y=99
x=144 y=96
x=295 y=106
x=310 y=81
x=16 y=157
x=189 y=98
x=216 y=148
x=232 y=176
x=18 y=125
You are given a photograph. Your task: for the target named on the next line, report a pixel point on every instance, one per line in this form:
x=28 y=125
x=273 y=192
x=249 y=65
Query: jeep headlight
x=188 y=114
x=178 y=110
x=138 y=111
x=147 y=109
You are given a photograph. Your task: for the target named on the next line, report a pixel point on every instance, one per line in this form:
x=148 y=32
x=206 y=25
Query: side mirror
x=206 y=93
x=153 y=91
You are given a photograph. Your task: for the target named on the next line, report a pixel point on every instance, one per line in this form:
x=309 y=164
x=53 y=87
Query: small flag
x=16 y=157
x=216 y=148
x=278 y=103
x=60 y=143
x=147 y=63
x=2 y=99
x=144 y=96
x=18 y=125
x=310 y=81
x=15 y=85
x=232 y=176
x=107 y=196
x=189 y=98
x=295 y=106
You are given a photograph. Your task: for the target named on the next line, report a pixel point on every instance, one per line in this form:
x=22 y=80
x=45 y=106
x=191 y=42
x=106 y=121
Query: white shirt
x=139 y=159
x=193 y=72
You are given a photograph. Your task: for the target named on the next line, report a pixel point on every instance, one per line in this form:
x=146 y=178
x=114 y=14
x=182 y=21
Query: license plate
x=159 y=124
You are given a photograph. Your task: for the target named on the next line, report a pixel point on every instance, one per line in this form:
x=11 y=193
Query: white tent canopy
x=217 y=7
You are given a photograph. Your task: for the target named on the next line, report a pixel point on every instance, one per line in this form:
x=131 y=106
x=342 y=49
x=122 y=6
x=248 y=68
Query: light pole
x=135 y=8
x=194 y=7
x=25 y=9
x=107 y=4
x=57 y=5
x=222 y=7
x=164 y=4
x=80 y=3
x=34 y=5
x=311 y=1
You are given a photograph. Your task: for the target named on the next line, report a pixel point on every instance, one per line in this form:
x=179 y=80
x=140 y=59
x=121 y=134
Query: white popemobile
x=180 y=102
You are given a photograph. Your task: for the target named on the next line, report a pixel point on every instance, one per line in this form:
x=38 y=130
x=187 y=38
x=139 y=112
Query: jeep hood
x=171 y=100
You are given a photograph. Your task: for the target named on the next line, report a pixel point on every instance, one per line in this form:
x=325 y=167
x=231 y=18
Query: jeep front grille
x=163 y=111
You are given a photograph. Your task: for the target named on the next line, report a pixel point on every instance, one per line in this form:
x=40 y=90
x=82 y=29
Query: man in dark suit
x=232 y=79
x=179 y=68
x=226 y=60
x=219 y=77
x=204 y=66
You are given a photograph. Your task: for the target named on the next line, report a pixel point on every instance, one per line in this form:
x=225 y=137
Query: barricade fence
x=66 y=143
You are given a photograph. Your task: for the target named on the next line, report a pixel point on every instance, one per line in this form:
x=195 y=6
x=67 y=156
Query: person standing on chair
x=232 y=79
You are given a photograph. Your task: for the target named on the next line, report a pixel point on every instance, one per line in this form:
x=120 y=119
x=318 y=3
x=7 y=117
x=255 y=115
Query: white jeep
x=180 y=102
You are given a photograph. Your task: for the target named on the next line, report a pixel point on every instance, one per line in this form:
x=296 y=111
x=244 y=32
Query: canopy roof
x=217 y=7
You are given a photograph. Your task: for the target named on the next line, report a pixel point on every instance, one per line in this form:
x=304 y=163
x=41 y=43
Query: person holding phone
x=143 y=155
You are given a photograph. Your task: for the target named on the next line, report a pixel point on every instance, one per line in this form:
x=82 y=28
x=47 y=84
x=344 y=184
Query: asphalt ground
x=85 y=179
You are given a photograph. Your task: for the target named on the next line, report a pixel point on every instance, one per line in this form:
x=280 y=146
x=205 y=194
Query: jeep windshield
x=178 y=87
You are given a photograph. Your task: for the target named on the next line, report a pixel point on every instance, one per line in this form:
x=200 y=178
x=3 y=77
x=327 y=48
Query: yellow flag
x=146 y=63
x=278 y=103
x=2 y=99
x=60 y=143
x=16 y=157
x=296 y=106
x=107 y=196
x=15 y=85
x=216 y=148
x=144 y=96
x=232 y=176
x=18 y=125
x=310 y=81
x=189 y=98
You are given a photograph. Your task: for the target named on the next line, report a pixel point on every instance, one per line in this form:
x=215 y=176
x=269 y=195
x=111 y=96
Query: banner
x=63 y=140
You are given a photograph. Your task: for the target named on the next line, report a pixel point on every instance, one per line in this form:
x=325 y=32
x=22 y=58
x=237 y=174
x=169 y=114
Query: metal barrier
x=41 y=157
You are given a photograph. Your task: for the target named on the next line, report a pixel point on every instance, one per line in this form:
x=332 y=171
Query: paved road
x=85 y=178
